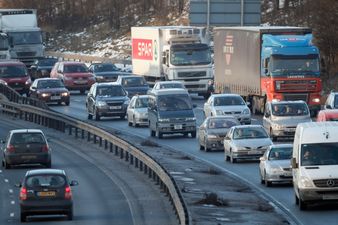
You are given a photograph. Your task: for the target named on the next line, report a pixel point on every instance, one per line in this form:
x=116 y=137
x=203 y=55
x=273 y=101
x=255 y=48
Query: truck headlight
x=101 y=103
x=305 y=182
x=316 y=100
x=246 y=111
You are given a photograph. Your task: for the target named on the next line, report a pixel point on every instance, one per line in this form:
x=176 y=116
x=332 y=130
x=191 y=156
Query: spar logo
x=228 y=48
x=143 y=49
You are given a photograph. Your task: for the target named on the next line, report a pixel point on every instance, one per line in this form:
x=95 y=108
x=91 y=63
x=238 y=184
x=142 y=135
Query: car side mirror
x=74 y=183
x=18 y=185
x=33 y=88
x=294 y=163
x=328 y=106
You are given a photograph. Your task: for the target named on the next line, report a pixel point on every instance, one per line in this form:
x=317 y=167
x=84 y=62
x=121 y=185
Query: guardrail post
x=127 y=156
x=136 y=162
x=141 y=166
x=145 y=169
x=121 y=153
x=111 y=147
x=76 y=130
x=131 y=159
x=82 y=134
x=105 y=144
x=70 y=128
x=94 y=138
x=88 y=136
x=100 y=141
x=116 y=150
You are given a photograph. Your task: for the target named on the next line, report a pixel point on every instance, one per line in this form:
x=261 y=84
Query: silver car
x=137 y=111
x=281 y=118
x=212 y=131
x=247 y=142
x=228 y=105
x=275 y=164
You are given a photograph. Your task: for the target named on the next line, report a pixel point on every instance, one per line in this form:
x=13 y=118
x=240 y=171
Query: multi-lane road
x=282 y=194
x=108 y=193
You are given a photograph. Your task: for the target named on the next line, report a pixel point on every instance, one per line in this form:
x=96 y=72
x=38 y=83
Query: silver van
x=171 y=111
x=281 y=118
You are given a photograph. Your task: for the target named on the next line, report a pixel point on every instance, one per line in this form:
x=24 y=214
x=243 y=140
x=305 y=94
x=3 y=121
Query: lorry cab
x=315 y=163
x=170 y=111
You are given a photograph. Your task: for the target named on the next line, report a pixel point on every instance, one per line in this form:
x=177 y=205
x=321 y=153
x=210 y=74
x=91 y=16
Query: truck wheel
x=23 y=217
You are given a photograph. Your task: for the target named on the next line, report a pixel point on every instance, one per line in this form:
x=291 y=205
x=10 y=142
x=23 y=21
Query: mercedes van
x=315 y=163
x=170 y=111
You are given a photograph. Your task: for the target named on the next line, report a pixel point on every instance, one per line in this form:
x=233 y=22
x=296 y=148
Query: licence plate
x=254 y=152
x=115 y=107
x=330 y=197
x=178 y=126
x=80 y=82
x=28 y=157
x=46 y=193
x=55 y=97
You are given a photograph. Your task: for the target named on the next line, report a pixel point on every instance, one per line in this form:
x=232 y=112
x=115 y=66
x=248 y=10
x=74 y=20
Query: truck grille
x=295 y=97
x=326 y=183
x=296 y=85
x=26 y=54
x=192 y=74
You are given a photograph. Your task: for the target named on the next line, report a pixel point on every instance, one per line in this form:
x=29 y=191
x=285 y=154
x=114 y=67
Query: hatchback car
x=212 y=131
x=50 y=90
x=46 y=192
x=167 y=84
x=75 y=75
x=228 y=105
x=275 y=164
x=26 y=146
x=133 y=84
x=281 y=118
x=42 y=67
x=331 y=101
x=327 y=115
x=137 y=111
x=15 y=74
x=106 y=72
x=106 y=99
x=247 y=142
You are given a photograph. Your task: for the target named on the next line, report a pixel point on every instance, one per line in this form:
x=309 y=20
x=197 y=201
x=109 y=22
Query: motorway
x=283 y=194
x=108 y=193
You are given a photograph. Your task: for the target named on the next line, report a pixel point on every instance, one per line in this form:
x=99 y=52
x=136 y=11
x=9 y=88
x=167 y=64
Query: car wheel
x=23 y=217
x=129 y=123
x=134 y=122
x=232 y=159
x=152 y=133
x=266 y=182
x=201 y=147
x=206 y=146
x=274 y=138
x=261 y=178
x=302 y=204
x=296 y=200
x=227 y=158
x=193 y=134
x=70 y=215
x=159 y=133
x=67 y=103
x=90 y=116
x=96 y=115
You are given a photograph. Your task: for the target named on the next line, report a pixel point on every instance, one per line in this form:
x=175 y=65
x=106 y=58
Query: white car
x=137 y=111
x=331 y=101
x=275 y=164
x=228 y=105
x=167 y=84
x=247 y=142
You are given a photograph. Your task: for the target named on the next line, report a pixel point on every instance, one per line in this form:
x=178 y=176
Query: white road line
x=10 y=191
x=0 y=171
x=11 y=215
x=12 y=202
x=6 y=180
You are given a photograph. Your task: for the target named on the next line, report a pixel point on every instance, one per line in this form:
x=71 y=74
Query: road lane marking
x=12 y=202
x=0 y=171
x=11 y=214
x=10 y=191
x=6 y=180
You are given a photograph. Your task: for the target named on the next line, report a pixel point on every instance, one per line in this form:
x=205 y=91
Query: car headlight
x=163 y=120
x=126 y=102
x=219 y=112
x=101 y=103
x=64 y=94
x=44 y=95
x=246 y=111
x=211 y=136
x=275 y=170
x=99 y=77
x=190 y=119
x=305 y=182
x=29 y=81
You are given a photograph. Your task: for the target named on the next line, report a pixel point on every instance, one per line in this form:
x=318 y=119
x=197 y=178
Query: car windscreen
x=109 y=91
x=250 y=133
x=294 y=109
x=105 y=68
x=228 y=100
x=280 y=153
x=13 y=71
x=42 y=84
x=222 y=123
x=27 y=138
x=171 y=85
x=319 y=154
x=48 y=181
x=141 y=103
x=133 y=81
x=75 y=69
x=47 y=62
x=174 y=102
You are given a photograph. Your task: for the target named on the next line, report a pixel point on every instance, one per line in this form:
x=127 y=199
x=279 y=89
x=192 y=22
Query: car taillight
x=44 y=148
x=11 y=148
x=68 y=193
x=23 y=194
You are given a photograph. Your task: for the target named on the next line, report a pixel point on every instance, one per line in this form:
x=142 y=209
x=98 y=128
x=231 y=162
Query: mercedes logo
x=330 y=183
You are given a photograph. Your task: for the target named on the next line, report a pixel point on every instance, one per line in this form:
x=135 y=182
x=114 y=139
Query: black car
x=106 y=72
x=133 y=84
x=106 y=99
x=26 y=146
x=42 y=67
x=46 y=192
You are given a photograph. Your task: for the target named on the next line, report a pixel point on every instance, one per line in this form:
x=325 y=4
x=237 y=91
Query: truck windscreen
x=294 y=66
x=174 y=102
x=24 y=38
x=182 y=57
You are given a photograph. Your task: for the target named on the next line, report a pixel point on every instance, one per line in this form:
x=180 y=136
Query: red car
x=327 y=115
x=15 y=74
x=75 y=75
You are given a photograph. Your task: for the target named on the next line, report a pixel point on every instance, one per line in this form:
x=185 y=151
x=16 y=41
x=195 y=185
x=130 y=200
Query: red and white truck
x=173 y=53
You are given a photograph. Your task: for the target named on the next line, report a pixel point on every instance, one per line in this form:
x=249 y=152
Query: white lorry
x=173 y=53
x=24 y=35
x=315 y=163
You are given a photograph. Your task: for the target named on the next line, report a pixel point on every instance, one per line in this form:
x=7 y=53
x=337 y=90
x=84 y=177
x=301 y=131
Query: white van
x=315 y=163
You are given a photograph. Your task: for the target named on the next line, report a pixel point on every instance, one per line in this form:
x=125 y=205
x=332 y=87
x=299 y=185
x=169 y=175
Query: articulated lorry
x=179 y=53
x=24 y=35
x=268 y=63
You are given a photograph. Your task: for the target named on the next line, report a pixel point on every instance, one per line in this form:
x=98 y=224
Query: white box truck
x=173 y=53
x=24 y=35
x=315 y=163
